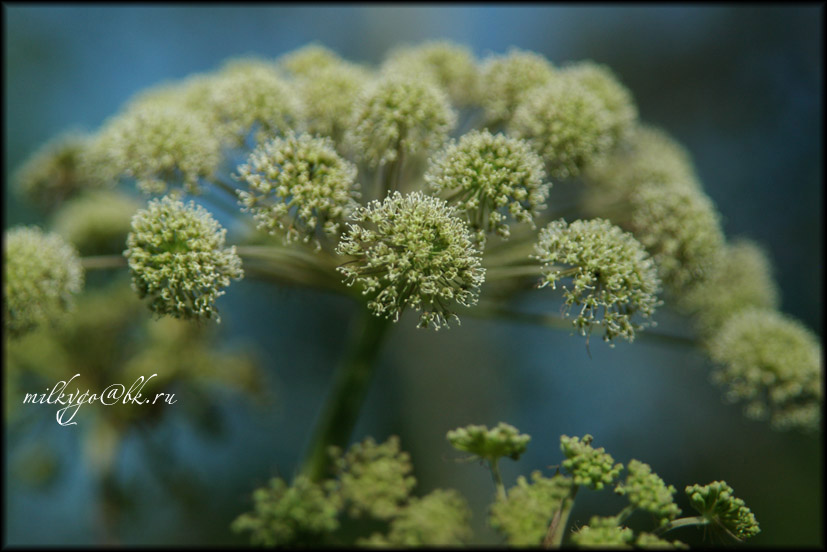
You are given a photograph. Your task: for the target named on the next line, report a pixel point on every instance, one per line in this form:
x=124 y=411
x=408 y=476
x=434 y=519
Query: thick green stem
x=557 y=527
x=681 y=522
x=103 y=261
x=343 y=404
x=498 y=479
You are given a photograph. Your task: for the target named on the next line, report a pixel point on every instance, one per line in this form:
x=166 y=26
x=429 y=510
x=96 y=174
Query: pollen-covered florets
x=328 y=95
x=451 y=66
x=177 y=257
x=412 y=251
x=610 y=271
x=773 y=364
x=159 y=145
x=42 y=275
x=567 y=123
x=298 y=186
x=399 y=115
x=505 y=81
x=618 y=101
x=488 y=177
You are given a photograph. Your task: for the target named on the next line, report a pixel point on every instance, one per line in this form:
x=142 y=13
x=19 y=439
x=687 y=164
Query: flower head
x=603 y=532
x=97 y=222
x=451 y=66
x=647 y=491
x=374 y=479
x=717 y=503
x=490 y=444
x=525 y=515
x=298 y=185
x=328 y=96
x=505 y=80
x=610 y=272
x=399 y=115
x=177 y=257
x=412 y=251
x=308 y=59
x=489 y=176
x=773 y=364
x=567 y=122
x=42 y=275
x=589 y=466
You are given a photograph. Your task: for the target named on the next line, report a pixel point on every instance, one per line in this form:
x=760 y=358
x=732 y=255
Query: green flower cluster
x=298 y=187
x=177 y=257
x=525 y=515
x=647 y=491
x=490 y=444
x=412 y=251
x=603 y=532
x=96 y=222
x=399 y=115
x=773 y=364
x=42 y=274
x=505 y=81
x=589 y=466
x=488 y=177
x=611 y=273
x=327 y=97
x=717 y=503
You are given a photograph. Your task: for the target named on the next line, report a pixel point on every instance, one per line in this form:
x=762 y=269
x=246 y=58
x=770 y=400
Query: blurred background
x=740 y=87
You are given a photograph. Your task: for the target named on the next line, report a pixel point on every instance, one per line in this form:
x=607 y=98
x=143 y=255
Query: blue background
x=741 y=88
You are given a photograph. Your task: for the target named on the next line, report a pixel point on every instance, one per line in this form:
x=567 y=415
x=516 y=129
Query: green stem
x=557 y=527
x=498 y=480
x=103 y=261
x=343 y=404
x=681 y=522
x=505 y=272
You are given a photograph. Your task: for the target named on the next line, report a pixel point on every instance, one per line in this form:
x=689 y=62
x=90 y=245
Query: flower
x=412 y=251
x=43 y=273
x=298 y=186
x=587 y=465
x=647 y=491
x=603 y=532
x=772 y=363
x=96 y=222
x=308 y=59
x=525 y=515
x=328 y=96
x=717 y=503
x=177 y=257
x=505 y=80
x=490 y=444
x=610 y=272
x=399 y=115
x=488 y=176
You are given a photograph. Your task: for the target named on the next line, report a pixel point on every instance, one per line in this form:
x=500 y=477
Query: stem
x=103 y=261
x=498 y=480
x=504 y=272
x=681 y=522
x=556 y=529
x=350 y=386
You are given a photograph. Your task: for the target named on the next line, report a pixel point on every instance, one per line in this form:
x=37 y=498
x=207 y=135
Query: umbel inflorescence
x=437 y=184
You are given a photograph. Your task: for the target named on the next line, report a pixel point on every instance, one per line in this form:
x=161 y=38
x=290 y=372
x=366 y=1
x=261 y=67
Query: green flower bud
x=525 y=515
x=284 y=515
x=654 y=542
x=42 y=275
x=159 y=144
x=567 y=123
x=450 y=66
x=299 y=187
x=716 y=503
x=610 y=271
x=603 y=532
x=374 y=479
x=399 y=115
x=490 y=176
x=412 y=251
x=97 y=222
x=56 y=171
x=177 y=257
x=680 y=228
x=505 y=81
x=251 y=96
x=308 y=59
x=490 y=444
x=328 y=97
x=618 y=101
x=741 y=277
x=440 y=518
x=647 y=491
x=772 y=363
x=588 y=466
